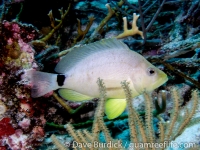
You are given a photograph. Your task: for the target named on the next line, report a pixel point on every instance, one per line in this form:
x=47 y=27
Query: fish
x=110 y=60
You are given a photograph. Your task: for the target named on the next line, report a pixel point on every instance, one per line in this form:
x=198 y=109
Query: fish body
x=109 y=67
x=110 y=60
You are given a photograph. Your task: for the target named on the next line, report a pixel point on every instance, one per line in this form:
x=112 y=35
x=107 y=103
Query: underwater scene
x=99 y=74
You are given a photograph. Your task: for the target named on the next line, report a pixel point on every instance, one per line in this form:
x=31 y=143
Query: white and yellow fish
x=110 y=60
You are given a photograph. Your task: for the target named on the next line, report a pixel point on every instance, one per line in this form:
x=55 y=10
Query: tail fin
x=42 y=82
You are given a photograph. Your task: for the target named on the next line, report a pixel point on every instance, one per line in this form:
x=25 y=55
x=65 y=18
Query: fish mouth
x=160 y=81
x=163 y=78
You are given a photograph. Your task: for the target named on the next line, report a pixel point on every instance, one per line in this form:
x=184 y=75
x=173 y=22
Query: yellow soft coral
x=132 y=31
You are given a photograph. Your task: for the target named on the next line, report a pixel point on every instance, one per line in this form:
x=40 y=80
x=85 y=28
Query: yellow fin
x=114 y=107
x=73 y=95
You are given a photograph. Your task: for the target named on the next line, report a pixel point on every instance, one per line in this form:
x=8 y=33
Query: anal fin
x=72 y=95
x=115 y=107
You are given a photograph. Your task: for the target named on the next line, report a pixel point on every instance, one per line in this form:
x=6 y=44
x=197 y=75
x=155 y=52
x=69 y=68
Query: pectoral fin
x=73 y=95
x=114 y=107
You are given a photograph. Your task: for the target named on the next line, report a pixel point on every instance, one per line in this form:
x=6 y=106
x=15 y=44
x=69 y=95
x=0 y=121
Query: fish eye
x=151 y=71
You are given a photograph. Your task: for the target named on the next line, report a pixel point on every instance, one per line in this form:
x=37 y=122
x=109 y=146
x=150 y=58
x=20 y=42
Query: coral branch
x=131 y=6
x=132 y=122
x=191 y=114
x=18 y=15
x=69 y=109
x=142 y=21
x=82 y=33
x=50 y=14
x=149 y=118
x=174 y=114
x=182 y=51
x=111 y=12
x=155 y=15
x=55 y=28
x=133 y=31
x=56 y=142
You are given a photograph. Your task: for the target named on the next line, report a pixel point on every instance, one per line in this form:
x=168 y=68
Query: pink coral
x=17 y=141
x=16 y=35
x=31 y=36
x=38 y=132
x=25 y=123
x=52 y=110
x=10 y=41
x=1 y=79
x=25 y=46
x=43 y=120
x=6 y=24
x=15 y=27
x=25 y=106
x=16 y=38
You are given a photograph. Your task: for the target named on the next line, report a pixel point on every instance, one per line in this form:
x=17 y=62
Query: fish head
x=155 y=78
x=148 y=77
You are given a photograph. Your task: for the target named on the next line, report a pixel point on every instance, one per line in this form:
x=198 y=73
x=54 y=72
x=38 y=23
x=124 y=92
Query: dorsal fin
x=79 y=53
